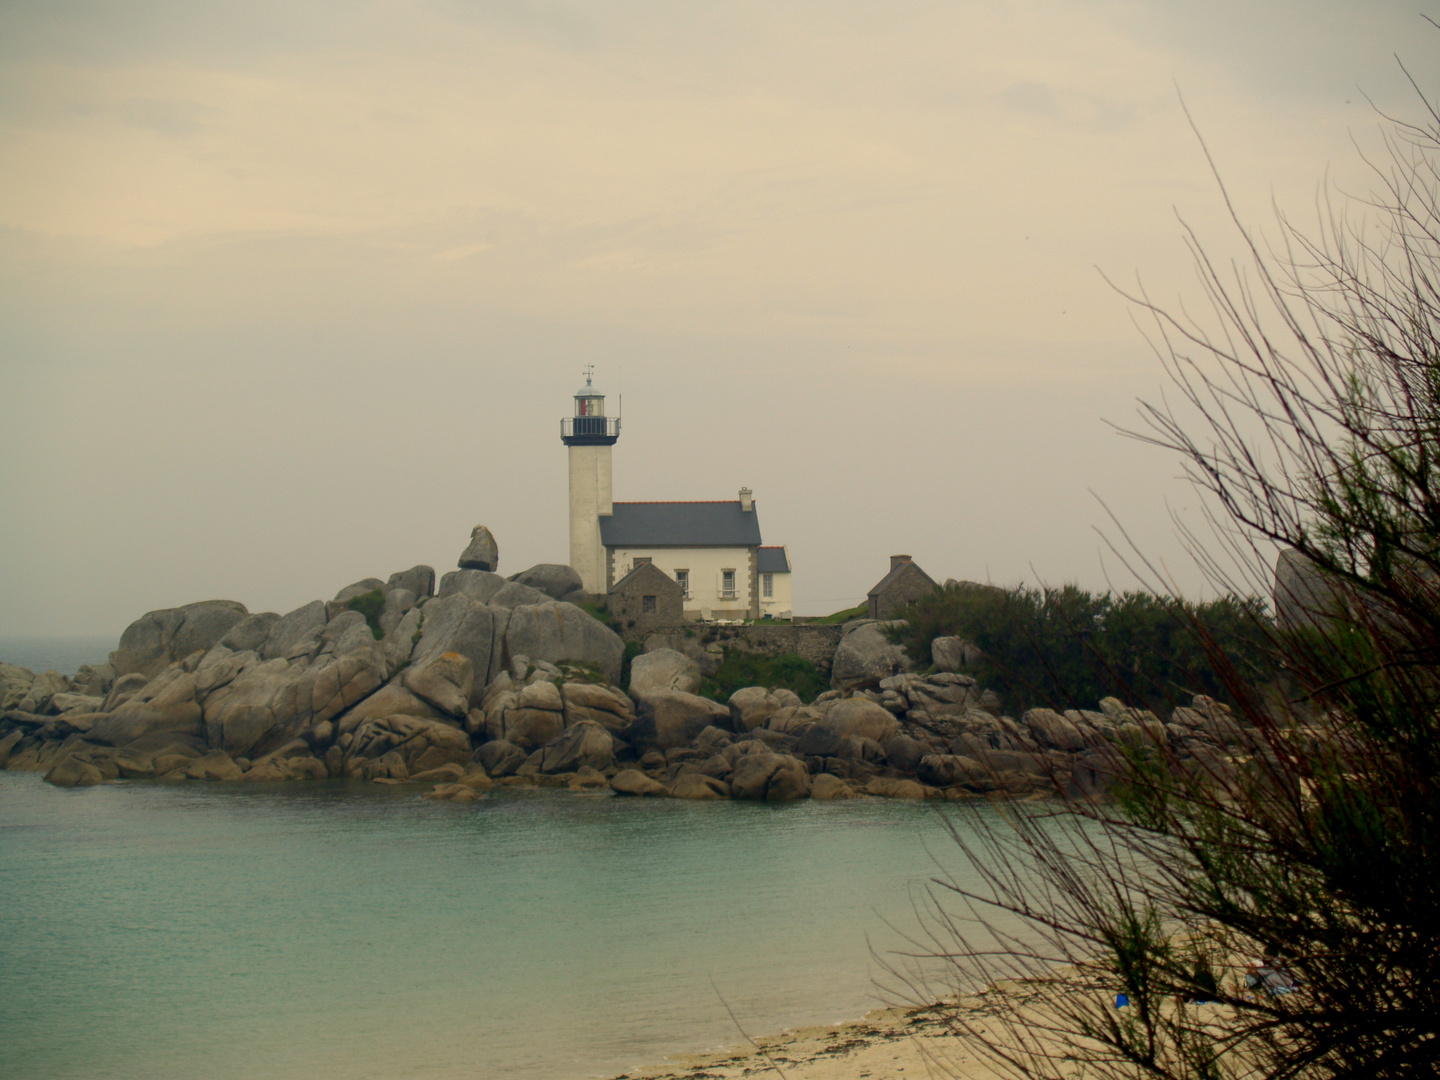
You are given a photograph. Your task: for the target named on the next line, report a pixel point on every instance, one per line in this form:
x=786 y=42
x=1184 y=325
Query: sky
x=293 y=294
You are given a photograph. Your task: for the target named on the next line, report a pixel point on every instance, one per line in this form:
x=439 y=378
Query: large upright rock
x=605 y=705
x=420 y=580
x=478 y=585
x=274 y=703
x=1049 y=728
x=295 y=633
x=669 y=719
x=482 y=553
x=770 y=777
x=360 y=588
x=461 y=625
x=750 y=706
x=954 y=654
x=42 y=691
x=249 y=633
x=158 y=638
x=864 y=656
x=860 y=717
x=556 y=581
x=512 y=595
x=446 y=680
x=535 y=716
x=14 y=685
x=663 y=670
x=558 y=632
x=586 y=743
x=166 y=704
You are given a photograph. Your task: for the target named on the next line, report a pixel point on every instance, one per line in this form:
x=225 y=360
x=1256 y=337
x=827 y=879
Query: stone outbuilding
x=647 y=596
x=905 y=582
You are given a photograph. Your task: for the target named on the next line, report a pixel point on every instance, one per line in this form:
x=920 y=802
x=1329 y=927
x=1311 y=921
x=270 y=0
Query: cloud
x=173 y=119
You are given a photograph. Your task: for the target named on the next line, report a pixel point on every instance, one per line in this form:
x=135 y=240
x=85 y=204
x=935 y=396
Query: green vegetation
x=632 y=650
x=858 y=612
x=370 y=605
x=600 y=612
x=1309 y=414
x=1069 y=648
x=787 y=671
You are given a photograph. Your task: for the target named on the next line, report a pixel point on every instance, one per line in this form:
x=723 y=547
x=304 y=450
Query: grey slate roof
x=903 y=570
x=644 y=569
x=680 y=524
x=772 y=560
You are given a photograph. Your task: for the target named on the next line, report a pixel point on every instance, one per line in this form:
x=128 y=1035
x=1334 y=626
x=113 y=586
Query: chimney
x=747 y=502
x=896 y=560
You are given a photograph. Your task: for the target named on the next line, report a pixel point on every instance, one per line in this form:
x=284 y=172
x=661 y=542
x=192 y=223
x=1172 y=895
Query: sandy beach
x=949 y=1039
x=885 y=1044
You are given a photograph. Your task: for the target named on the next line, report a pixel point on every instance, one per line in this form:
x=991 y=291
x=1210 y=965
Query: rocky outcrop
x=478 y=585
x=418 y=580
x=953 y=654
x=554 y=580
x=752 y=707
x=670 y=719
x=663 y=670
x=481 y=553
x=446 y=680
x=583 y=744
x=501 y=681
x=635 y=782
x=158 y=638
x=769 y=777
x=470 y=629
x=605 y=705
x=560 y=633
x=866 y=655
x=859 y=717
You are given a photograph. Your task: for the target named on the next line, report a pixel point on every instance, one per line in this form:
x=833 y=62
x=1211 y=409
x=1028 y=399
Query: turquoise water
x=338 y=930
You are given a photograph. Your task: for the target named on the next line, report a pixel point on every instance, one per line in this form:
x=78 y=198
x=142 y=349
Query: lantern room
x=589 y=426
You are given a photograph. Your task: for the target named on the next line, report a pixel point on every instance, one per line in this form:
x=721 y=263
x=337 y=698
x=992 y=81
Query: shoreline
x=888 y=1043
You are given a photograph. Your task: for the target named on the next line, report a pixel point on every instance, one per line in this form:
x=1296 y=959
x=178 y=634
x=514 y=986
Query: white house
x=713 y=549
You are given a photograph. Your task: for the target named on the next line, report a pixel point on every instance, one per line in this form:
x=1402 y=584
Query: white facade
x=705 y=570
x=590 y=496
x=778 y=603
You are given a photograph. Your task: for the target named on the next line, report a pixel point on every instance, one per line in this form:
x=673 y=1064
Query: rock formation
x=492 y=682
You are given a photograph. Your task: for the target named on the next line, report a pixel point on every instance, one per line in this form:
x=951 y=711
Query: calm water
x=62 y=654
x=334 y=930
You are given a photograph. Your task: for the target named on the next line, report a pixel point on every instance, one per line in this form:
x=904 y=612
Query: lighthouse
x=589 y=434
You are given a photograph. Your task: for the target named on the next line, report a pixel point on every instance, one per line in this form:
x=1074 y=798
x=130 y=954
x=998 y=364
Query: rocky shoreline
x=480 y=680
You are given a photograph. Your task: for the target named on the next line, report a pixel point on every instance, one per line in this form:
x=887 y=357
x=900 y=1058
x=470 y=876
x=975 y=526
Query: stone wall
x=815 y=642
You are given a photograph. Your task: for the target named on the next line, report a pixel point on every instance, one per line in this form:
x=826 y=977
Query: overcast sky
x=294 y=293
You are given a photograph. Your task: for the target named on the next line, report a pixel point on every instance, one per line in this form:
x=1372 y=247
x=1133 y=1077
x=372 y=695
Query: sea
x=62 y=654
x=336 y=929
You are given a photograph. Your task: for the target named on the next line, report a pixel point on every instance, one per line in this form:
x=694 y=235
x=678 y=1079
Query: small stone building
x=905 y=582
x=647 y=596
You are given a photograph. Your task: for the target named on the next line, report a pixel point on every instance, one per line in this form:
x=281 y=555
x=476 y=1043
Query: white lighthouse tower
x=589 y=434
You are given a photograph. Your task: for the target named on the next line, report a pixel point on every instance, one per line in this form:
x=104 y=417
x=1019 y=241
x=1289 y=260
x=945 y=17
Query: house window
x=647 y=605
x=767 y=585
x=727 y=584
x=683 y=577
